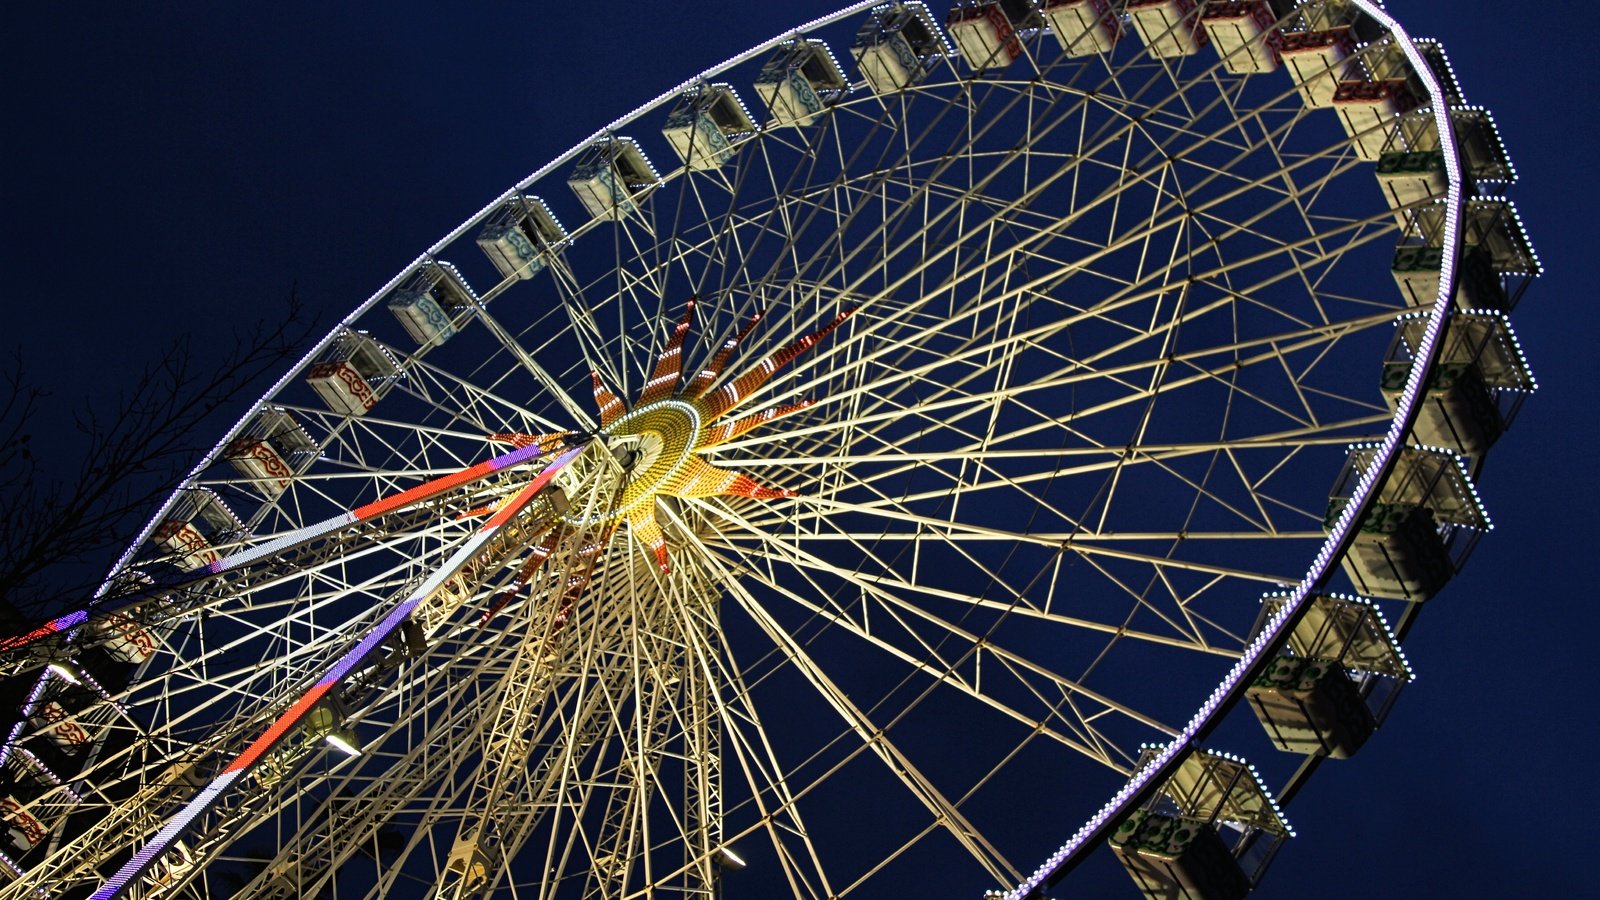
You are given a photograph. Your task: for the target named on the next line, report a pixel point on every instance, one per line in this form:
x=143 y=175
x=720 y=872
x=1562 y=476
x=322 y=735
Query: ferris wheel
x=825 y=481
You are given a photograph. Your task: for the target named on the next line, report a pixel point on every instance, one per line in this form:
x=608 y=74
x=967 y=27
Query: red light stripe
x=422 y=491
x=288 y=720
x=23 y=640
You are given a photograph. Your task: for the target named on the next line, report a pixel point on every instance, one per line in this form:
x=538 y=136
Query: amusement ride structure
x=837 y=477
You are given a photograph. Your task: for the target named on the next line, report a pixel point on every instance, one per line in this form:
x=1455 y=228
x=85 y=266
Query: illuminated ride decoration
x=664 y=435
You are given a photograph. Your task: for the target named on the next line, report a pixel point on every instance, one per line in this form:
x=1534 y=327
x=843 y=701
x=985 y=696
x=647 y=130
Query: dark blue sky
x=174 y=168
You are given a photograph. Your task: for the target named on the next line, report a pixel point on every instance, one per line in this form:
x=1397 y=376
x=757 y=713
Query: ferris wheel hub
x=659 y=438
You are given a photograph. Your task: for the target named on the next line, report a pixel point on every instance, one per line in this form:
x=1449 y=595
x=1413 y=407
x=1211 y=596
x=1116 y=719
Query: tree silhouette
x=61 y=533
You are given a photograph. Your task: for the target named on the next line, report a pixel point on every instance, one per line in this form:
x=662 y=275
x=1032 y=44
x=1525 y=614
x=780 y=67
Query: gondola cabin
x=520 y=237
x=1169 y=28
x=1370 y=112
x=703 y=128
x=271 y=451
x=1474 y=390
x=353 y=373
x=197 y=526
x=1492 y=226
x=1176 y=845
x=1480 y=282
x=1244 y=33
x=798 y=82
x=1171 y=856
x=1482 y=151
x=1419 y=531
x=987 y=31
x=63 y=714
x=1411 y=178
x=432 y=302
x=896 y=46
x=1317 y=61
x=121 y=636
x=1083 y=27
x=23 y=830
x=1310 y=706
x=1335 y=681
x=612 y=178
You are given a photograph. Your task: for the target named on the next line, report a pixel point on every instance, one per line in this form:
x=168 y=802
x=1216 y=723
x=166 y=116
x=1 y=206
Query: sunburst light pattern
x=662 y=436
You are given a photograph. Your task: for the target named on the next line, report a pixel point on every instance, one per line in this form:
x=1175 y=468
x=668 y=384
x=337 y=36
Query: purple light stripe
x=1338 y=537
x=162 y=841
x=152 y=851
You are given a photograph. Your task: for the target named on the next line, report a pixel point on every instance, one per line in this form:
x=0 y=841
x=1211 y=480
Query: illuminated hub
x=661 y=440
x=656 y=444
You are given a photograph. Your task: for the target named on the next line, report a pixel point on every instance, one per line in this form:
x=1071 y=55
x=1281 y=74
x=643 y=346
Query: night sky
x=175 y=168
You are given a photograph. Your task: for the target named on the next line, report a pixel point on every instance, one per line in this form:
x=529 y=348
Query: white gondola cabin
x=1177 y=844
x=64 y=714
x=1169 y=28
x=1370 y=112
x=705 y=125
x=1496 y=265
x=1482 y=151
x=1416 y=269
x=612 y=178
x=271 y=451
x=1483 y=154
x=1336 y=680
x=121 y=636
x=1170 y=855
x=1474 y=391
x=986 y=31
x=1432 y=53
x=1492 y=225
x=520 y=237
x=1398 y=552
x=1310 y=706
x=1083 y=27
x=353 y=374
x=32 y=801
x=798 y=82
x=23 y=830
x=1317 y=61
x=432 y=302
x=1383 y=60
x=1244 y=33
x=1420 y=530
x=198 y=524
x=1410 y=178
x=897 y=45
x=1458 y=410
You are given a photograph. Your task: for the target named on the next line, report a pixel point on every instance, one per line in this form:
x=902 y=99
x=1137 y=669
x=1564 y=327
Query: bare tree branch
x=61 y=535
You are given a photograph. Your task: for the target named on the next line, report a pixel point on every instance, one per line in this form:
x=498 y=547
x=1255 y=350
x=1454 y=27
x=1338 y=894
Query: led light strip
x=158 y=845
x=300 y=536
x=1138 y=788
